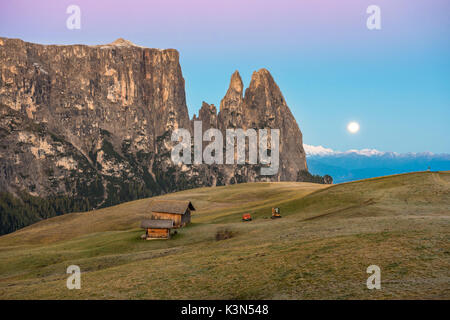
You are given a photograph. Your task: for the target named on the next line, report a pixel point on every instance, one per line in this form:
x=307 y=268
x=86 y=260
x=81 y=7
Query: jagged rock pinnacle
x=236 y=84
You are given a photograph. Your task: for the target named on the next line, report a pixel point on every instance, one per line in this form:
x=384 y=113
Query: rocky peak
x=261 y=75
x=121 y=42
x=236 y=86
x=262 y=89
x=233 y=97
x=230 y=115
x=208 y=115
x=265 y=107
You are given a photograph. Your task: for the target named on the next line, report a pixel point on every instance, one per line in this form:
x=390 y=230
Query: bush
x=223 y=234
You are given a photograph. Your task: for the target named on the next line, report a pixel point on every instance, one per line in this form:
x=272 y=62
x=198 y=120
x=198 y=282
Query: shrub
x=223 y=234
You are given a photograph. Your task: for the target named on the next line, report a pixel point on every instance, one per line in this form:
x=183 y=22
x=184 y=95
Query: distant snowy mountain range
x=352 y=165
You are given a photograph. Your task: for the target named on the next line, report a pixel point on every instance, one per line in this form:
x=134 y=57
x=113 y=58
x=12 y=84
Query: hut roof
x=156 y=224
x=171 y=206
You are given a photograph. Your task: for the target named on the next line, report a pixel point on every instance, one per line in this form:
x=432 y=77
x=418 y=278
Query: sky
x=395 y=82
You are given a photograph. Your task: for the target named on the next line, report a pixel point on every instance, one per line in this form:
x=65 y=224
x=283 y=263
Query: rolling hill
x=320 y=249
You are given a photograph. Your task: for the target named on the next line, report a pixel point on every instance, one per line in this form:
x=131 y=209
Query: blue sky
x=331 y=69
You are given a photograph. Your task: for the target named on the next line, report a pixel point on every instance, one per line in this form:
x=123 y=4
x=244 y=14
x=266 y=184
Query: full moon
x=353 y=127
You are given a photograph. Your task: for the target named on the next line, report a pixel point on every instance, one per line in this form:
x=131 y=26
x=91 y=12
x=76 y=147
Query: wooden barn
x=177 y=211
x=157 y=229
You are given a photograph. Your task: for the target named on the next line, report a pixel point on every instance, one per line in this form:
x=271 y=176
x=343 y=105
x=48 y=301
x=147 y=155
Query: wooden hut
x=157 y=229
x=177 y=211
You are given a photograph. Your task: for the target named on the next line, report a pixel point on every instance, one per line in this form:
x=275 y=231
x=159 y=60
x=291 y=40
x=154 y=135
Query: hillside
x=320 y=249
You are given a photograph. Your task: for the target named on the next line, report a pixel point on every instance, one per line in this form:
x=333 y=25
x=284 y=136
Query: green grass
x=320 y=249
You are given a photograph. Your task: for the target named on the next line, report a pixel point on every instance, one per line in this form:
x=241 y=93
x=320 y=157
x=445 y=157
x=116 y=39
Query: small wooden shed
x=157 y=229
x=177 y=211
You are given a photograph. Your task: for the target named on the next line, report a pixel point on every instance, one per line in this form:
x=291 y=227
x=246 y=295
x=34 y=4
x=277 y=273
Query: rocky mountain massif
x=83 y=127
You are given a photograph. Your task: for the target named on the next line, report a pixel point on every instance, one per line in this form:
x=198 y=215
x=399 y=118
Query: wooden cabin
x=177 y=211
x=157 y=229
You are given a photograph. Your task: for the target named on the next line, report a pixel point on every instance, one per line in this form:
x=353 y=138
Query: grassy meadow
x=320 y=249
